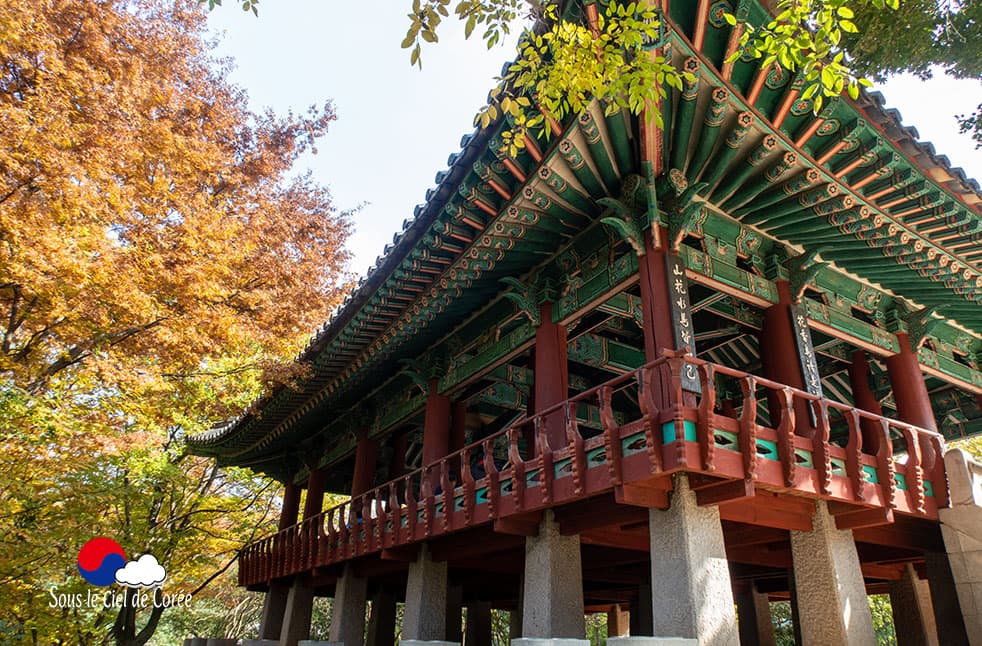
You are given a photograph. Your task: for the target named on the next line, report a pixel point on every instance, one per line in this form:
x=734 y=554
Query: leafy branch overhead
x=571 y=54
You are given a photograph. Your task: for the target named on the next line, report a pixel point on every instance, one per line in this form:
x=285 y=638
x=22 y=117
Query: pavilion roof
x=449 y=257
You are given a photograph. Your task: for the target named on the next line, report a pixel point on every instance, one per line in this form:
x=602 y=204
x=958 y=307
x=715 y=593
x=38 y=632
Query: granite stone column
x=754 y=616
x=553 y=595
x=348 y=610
x=425 y=615
x=692 y=596
x=296 y=619
x=830 y=591
x=913 y=614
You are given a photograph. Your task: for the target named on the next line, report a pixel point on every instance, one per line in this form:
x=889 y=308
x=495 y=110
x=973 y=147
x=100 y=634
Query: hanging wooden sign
x=682 y=328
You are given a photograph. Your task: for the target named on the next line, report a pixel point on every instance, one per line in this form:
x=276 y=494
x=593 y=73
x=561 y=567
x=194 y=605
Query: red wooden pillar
x=910 y=395
x=779 y=358
x=436 y=431
x=364 y=476
x=551 y=375
x=291 y=505
x=656 y=313
x=397 y=467
x=864 y=399
x=656 y=309
x=458 y=435
x=315 y=493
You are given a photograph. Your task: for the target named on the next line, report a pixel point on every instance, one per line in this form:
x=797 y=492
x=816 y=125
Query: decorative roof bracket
x=802 y=271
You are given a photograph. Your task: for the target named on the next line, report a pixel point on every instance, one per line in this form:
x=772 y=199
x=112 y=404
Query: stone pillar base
x=260 y=642
x=651 y=641
x=547 y=641
x=421 y=642
x=315 y=642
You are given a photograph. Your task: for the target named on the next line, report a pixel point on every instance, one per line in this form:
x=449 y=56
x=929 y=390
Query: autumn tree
x=159 y=263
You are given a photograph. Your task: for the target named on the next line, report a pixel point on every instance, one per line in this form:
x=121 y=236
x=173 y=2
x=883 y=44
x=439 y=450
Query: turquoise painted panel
x=458 y=503
x=668 y=431
x=901 y=481
x=632 y=444
x=532 y=478
x=481 y=496
x=727 y=440
x=388 y=525
x=505 y=486
x=838 y=467
x=596 y=456
x=438 y=509
x=804 y=458
x=767 y=449
x=870 y=475
x=562 y=468
x=928 y=488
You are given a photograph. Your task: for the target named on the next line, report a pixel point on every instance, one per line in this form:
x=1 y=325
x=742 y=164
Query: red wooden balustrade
x=494 y=478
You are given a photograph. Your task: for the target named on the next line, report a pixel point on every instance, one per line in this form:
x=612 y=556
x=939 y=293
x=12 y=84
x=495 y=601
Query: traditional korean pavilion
x=670 y=374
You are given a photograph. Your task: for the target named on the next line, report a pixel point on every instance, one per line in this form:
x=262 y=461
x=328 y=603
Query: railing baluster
x=467 y=485
x=748 y=428
x=411 y=510
x=491 y=475
x=854 y=455
x=650 y=415
x=612 y=435
x=517 y=469
x=547 y=473
x=785 y=435
x=574 y=441
x=913 y=473
x=885 y=468
x=676 y=399
x=939 y=480
x=821 y=457
x=426 y=495
x=707 y=417
x=448 y=494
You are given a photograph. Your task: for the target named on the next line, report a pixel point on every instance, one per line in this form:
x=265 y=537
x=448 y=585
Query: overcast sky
x=397 y=125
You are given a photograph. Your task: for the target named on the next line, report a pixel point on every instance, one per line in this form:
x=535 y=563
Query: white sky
x=397 y=125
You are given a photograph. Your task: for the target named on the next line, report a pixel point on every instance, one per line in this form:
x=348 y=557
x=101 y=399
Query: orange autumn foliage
x=148 y=219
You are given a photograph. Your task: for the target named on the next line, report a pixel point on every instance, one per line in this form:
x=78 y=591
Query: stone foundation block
x=260 y=642
x=315 y=642
x=422 y=642
x=545 y=641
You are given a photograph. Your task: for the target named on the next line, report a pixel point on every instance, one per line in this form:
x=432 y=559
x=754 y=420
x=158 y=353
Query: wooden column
x=365 y=453
x=551 y=374
x=291 y=505
x=436 y=431
x=314 y=504
x=458 y=434
x=656 y=311
x=397 y=467
x=779 y=358
x=618 y=621
x=863 y=397
x=910 y=395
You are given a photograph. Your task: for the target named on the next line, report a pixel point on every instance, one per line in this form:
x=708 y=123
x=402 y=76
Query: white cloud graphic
x=144 y=572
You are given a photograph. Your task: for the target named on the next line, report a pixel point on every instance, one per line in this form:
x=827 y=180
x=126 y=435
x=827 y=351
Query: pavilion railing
x=751 y=438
